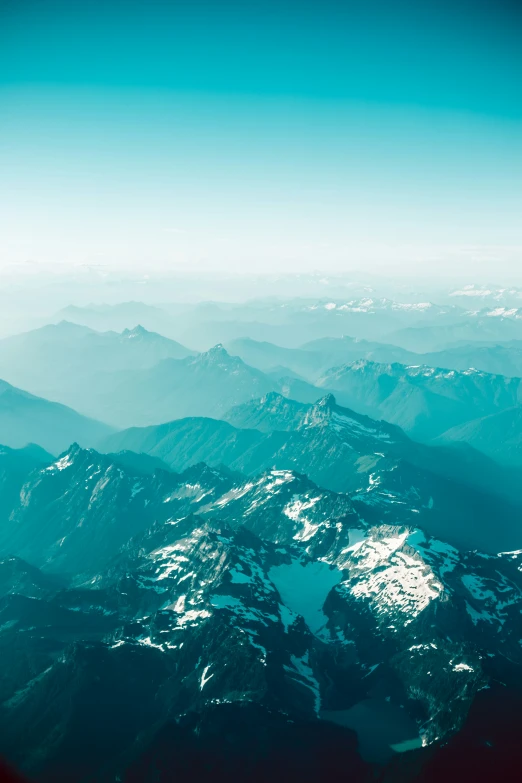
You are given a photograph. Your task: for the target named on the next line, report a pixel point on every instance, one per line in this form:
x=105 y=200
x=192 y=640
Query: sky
x=253 y=136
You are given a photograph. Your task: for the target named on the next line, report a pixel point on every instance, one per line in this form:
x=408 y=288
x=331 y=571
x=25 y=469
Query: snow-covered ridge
x=504 y=312
x=484 y=292
x=369 y=305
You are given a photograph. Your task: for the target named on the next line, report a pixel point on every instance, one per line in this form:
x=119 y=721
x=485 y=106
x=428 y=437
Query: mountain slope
x=269 y=357
x=15 y=467
x=185 y=442
x=475 y=326
x=499 y=435
x=25 y=418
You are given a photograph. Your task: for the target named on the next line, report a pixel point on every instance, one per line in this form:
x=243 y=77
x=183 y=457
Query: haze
x=262 y=137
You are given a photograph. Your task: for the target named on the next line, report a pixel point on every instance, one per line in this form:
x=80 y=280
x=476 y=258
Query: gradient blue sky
x=262 y=135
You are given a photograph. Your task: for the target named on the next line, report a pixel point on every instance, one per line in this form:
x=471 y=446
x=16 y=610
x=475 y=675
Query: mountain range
x=424 y=401
x=140 y=378
x=313 y=359
x=299 y=560
x=235 y=609
x=117 y=317
x=418 y=325
x=66 y=362
x=134 y=378
x=453 y=490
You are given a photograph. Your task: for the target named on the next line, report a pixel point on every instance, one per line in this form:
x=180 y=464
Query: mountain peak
x=217 y=354
x=217 y=350
x=66 y=460
x=328 y=401
x=138 y=331
x=361 y=364
x=320 y=413
x=271 y=398
x=73 y=451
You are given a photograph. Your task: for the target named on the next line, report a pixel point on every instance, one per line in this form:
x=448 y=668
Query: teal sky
x=290 y=135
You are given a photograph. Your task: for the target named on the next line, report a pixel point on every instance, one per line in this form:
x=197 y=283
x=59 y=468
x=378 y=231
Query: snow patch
x=204 y=679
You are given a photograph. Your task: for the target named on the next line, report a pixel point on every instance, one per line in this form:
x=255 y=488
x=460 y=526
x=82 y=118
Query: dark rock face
x=75 y=513
x=245 y=742
x=25 y=418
